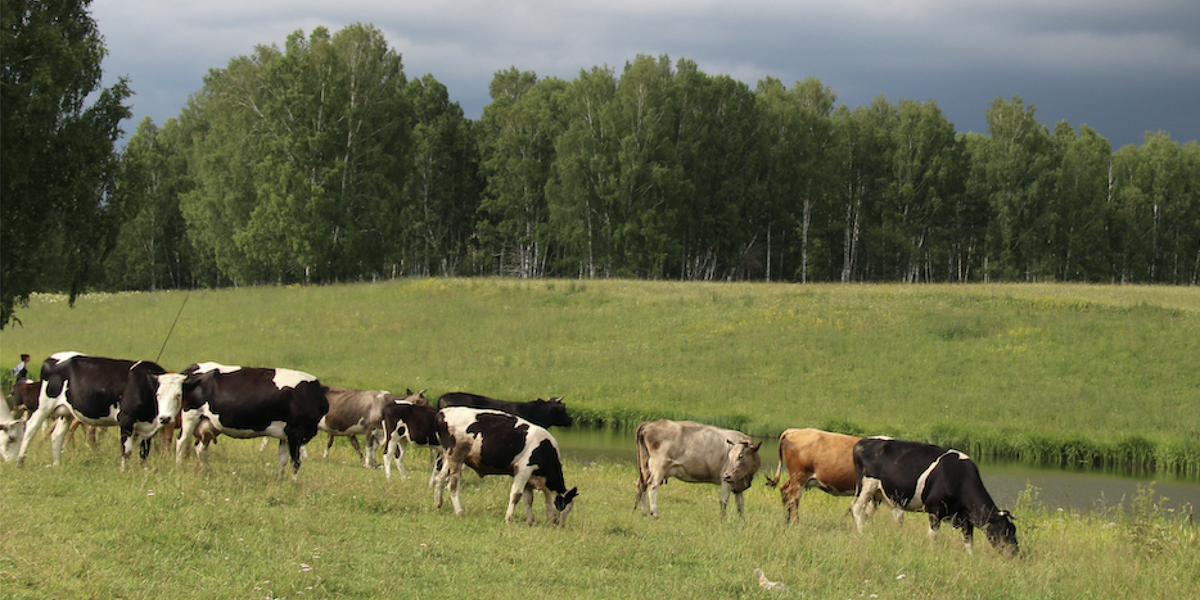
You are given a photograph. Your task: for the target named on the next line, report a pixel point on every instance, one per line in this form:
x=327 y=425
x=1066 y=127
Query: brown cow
x=695 y=453
x=815 y=459
x=352 y=412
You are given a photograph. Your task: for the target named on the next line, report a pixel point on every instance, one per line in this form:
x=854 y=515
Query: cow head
x=563 y=503
x=416 y=398
x=741 y=464
x=1002 y=532
x=11 y=434
x=169 y=394
x=556 y=411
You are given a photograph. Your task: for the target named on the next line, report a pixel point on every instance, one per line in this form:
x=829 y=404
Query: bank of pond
x=1007 y=481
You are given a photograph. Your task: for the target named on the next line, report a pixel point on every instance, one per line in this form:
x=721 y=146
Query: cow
x=544 y=413
x=919 y=477
x=354 y=412
x=408 y=420
x=494 y=442
x=25 y=397
x=139 y=397
x=695 y=453
x=247 y=402
x=814 y=459
x=12 y=428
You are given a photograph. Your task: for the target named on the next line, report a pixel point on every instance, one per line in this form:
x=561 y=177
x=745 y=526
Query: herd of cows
x=491 y=436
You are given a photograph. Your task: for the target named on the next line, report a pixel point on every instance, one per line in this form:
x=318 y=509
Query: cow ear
x=755 y=447
x=408 y=391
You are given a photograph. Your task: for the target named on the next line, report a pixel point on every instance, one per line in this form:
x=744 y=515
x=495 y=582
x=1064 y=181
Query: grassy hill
x=1050 y=374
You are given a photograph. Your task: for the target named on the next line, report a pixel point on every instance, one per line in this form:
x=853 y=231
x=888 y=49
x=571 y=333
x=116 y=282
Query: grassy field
x=86 y=530
x=1058 y=371
x=1071 y=375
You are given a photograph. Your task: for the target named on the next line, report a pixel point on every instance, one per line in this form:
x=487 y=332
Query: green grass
x=86 y=530
x=1071 y=375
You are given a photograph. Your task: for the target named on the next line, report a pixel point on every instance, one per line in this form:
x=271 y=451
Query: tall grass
x=1071 y=375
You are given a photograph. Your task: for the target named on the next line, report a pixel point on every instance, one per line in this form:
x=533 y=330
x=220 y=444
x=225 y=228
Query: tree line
x=321 y=162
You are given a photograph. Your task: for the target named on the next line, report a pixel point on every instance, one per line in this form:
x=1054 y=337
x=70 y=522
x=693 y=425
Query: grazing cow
x=814 y=459
x=695 y=453
x=25 y=397
x=247 y=402
x=494 y=442
x=408 y=420
x=919 y=477
x=544 y=413
x=12 y=428
x=354 y=412
x=138 y=397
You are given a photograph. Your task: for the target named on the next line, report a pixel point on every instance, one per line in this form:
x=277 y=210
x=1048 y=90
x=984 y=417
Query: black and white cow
x=139 y=397
x=544 y=413
x=408 y=420
x=494 y=442
x=919 y=477
x=247 y=402
x=696 y=453
x=354 y=412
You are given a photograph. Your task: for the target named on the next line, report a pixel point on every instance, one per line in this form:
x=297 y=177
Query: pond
x=1005 y=481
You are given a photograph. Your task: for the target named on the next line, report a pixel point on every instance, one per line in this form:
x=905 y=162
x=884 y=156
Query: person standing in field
x=21 y=371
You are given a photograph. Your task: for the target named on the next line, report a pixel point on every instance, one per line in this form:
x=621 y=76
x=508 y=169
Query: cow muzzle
x=165 y=420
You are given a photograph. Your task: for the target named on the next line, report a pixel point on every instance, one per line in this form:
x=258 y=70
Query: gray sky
x=1122 y=67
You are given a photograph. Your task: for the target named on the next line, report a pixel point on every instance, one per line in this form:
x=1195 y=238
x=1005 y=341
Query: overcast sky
x=1122 y=67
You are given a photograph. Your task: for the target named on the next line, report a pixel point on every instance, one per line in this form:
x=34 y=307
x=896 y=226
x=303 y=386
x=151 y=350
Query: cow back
x=544 y=413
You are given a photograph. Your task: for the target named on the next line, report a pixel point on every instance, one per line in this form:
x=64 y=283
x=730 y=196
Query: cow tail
x=778 y=470
x=643 y=457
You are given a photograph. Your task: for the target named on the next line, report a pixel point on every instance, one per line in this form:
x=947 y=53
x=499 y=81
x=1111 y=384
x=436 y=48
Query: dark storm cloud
x=1120 y=67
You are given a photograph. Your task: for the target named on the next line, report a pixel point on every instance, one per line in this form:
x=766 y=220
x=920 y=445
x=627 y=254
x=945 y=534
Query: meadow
x=1066 y=375
x=1108 y=371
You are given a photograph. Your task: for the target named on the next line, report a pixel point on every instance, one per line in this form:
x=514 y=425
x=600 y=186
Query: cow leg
x=935 y=525
x=393 y=454
x=127 y=442
x=357 y=448
x=328 y=445
x=741 y=502
x=290 y=448
x=652 y=495
x=968 y=531
x=867 y=489
x=374 y=441
x=145 y=449
x=515 y=495
x=453 y=468
x=57 y=437
x=36 y=418
x=725 y=490
x=189 y=420
x=789 y=494
x=438 y=458
x=31 y=428
x=640 y=499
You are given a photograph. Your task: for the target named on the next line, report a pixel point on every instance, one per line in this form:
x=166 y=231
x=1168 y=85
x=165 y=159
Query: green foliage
x=58 y=219
x=300 y=156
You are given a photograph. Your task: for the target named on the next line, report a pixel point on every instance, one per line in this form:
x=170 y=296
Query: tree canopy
x=58 y=218
x=321 y=161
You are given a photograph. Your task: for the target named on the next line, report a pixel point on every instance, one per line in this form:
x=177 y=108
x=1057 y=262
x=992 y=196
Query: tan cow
x=815 y=459
x=353 y=412
x=695 y=453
